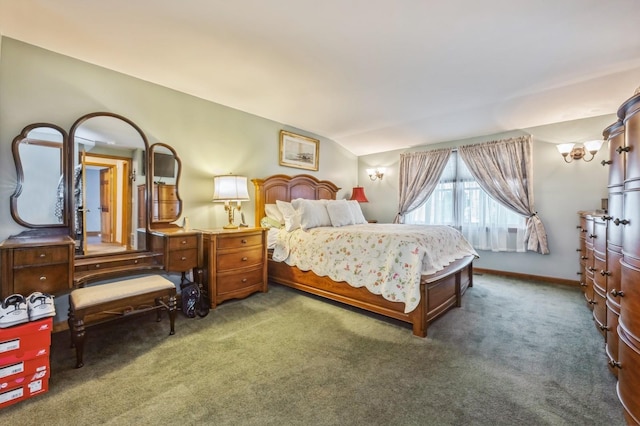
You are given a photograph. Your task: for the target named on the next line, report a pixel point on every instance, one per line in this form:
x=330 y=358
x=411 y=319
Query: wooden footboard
x=439 y=292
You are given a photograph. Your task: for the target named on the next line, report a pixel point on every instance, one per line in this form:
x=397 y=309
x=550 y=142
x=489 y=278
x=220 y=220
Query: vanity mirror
x=165 y=169
x=39 y=153
x=106 y=165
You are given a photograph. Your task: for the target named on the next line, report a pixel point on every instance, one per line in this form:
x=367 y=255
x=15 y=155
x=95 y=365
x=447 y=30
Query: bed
x=438 y=292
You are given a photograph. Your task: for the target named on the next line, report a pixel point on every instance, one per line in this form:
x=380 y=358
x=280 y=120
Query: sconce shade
x=572 y=151
x=376 y=173
x=358 y=194
x=230 y=188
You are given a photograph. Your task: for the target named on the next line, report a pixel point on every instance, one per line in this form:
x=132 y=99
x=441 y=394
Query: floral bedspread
x=387 y=259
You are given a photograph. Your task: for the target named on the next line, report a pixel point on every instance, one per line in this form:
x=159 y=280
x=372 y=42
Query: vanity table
x=82 y=213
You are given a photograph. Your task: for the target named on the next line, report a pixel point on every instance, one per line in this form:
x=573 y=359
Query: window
x=459 y=201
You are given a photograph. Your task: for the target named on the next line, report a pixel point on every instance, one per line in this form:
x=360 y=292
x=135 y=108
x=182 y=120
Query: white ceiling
x=372 y=75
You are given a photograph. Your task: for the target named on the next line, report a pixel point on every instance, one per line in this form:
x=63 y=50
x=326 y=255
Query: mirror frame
x=65 y=154
x=150 y=192
x=71 y=165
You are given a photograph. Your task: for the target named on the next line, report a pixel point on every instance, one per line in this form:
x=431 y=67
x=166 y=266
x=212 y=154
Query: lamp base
x=230 y=226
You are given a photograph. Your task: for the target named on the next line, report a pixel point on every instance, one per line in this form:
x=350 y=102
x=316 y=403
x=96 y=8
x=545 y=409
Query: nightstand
x=235 y=262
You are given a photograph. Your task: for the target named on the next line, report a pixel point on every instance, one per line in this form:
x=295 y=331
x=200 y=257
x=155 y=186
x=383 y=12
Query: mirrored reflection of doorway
x=107 y=188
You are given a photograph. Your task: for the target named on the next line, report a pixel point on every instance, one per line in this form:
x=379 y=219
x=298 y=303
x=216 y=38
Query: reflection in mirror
x=165 y=171
x=108 y=155
x=39 y=200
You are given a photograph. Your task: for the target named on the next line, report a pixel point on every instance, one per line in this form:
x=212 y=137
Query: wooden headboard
x=287 y=188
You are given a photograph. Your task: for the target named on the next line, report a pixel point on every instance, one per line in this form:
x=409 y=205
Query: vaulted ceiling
x=372 y=75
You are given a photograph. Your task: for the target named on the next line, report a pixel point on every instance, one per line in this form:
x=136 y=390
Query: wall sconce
x=376 y=173
x=228 y=189
x=358 y=194
x=579 y=152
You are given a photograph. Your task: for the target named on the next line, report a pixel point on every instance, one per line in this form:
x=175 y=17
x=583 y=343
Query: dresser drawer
x=228 y=242
x=183 y=242
x=236 y=281
x=240 y=259
x=47 y=279
x=183 y=260
x=113 y=264
x=40 y=256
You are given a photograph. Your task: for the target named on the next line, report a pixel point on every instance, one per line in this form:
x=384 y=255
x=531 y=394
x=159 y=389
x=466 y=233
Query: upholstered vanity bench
x=99 y=303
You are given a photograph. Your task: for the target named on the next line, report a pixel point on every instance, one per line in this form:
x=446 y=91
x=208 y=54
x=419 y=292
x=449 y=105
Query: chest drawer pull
x=243 y=241
x=183 y=258
x=42 y=255
x=244 y=280
x=183 y=242
x=43 y=278
x=244 y=259
x=617 y=293
x=621 y=222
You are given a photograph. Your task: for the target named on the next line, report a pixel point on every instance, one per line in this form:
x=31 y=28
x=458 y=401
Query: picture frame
x=301 y=152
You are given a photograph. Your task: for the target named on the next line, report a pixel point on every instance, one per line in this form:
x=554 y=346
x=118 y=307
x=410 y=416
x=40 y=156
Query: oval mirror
x=166 y=205
x=107 y=164
x=39 y=200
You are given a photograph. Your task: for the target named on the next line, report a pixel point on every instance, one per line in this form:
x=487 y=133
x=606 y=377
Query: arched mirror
x=107 y=165
x=40 y=198
x=165 y=168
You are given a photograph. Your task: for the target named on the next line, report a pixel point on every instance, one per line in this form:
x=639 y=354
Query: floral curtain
x=504 y=170
x=419 y=175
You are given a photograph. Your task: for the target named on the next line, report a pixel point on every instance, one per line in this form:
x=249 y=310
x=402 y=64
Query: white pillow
x=339 y=213
x=313 y=213
x=290 y=215
x=356 y=211
x=272 y=211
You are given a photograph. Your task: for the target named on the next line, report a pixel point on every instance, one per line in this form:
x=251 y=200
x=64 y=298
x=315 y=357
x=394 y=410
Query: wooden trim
x=528 y=277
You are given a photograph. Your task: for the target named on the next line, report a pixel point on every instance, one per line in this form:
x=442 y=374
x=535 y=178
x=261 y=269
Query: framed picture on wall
x=298 y=151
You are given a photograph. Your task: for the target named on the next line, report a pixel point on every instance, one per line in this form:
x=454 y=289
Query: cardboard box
x=20 y=388
x=25 y=341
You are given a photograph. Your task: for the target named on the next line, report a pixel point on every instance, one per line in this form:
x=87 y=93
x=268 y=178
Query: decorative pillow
x=269 y=222
x=356 y=211
x=291 y=216
x=339 y=213
x=313 y=213
x=272 y=211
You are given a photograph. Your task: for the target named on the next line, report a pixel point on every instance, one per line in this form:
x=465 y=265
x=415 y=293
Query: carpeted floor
x=516 y=353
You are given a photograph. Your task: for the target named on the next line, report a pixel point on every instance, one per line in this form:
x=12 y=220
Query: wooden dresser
x=37 y=264
x=615 y=263
x=165 y=204
x=235 y=263
x=180 y=248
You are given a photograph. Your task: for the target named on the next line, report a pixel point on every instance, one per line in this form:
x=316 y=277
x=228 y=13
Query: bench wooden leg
x=78 y=337
x=172 y=314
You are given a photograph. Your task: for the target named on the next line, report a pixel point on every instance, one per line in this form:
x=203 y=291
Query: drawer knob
x=621 y=149
x=605 y=273
x=243 y=241
x=43 y=278
x=97 y=266
x=591 y=268
x=183 y=258
x=604 y=328
x=605 y=217
x=42 y=255
x=183 y=242
x=135 y=262
x=583 y=257
x=583 y=284
x=621 y=222
x=617 y=293
x=605 y=162
x=244 y=259
x=615 y=364
x=592 y=236
x=592 y=302
x=244 y=280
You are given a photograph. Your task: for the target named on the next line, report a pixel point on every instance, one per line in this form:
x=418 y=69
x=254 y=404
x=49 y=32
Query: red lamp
x=358 y=195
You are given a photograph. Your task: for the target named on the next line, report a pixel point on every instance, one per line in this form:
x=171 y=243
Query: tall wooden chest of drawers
x=235 y=262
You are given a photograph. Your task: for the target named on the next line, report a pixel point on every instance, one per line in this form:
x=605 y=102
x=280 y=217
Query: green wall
x=37 y=85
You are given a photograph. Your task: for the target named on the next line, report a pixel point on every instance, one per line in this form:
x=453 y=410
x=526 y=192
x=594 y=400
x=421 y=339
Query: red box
x=20 y=388
x=25 y=341
x=21 y=368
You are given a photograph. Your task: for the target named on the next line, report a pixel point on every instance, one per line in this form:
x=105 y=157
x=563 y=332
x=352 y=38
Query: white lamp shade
x=593 y=146
x=565 y=148
x=230 y=188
